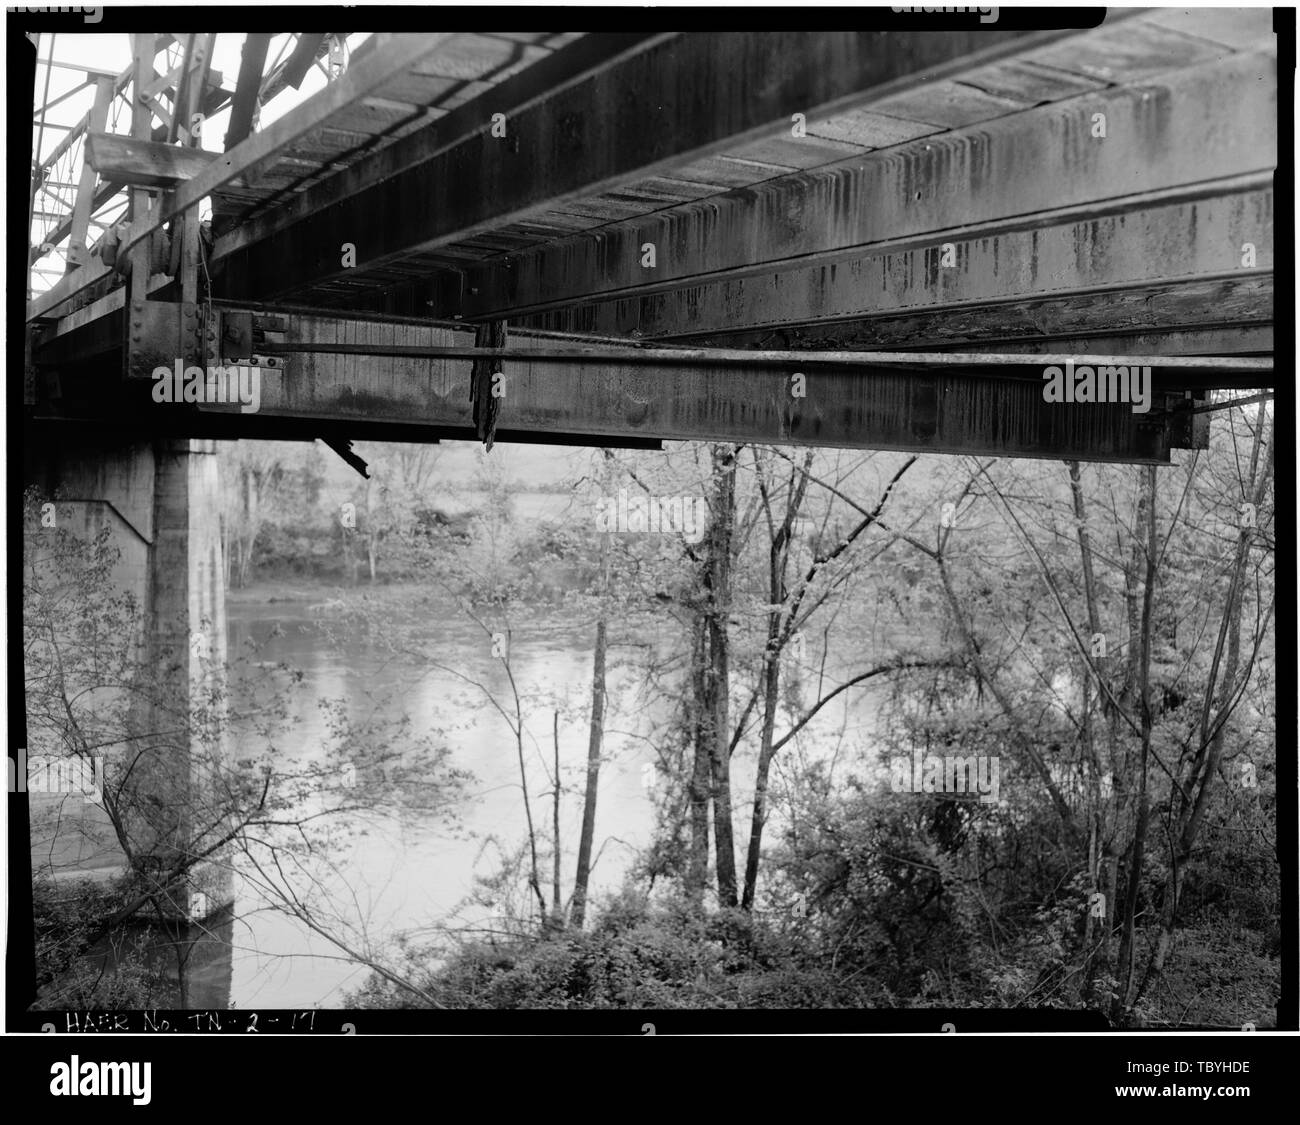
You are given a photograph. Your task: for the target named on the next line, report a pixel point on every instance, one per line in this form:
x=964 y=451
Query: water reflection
x=404 y=875
x=409 y=873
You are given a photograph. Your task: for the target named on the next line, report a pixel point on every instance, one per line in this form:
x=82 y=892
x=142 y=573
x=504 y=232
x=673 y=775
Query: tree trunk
x=1087 y=728
x=1205 y=765
x=771 y=688
x=557 y=909
x=771 y=684
x=593 y=777
x=697 y=872
x=225 y=549
x=717 y=676
x=724 y=845
x=245 y=557
x=252 y=520
x=1137 y=851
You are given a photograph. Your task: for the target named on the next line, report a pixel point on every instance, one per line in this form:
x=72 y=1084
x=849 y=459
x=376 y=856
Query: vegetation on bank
x=78 y=965
x=1105 y=634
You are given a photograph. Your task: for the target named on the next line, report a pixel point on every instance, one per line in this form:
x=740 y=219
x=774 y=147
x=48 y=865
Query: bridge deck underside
x=986 y=192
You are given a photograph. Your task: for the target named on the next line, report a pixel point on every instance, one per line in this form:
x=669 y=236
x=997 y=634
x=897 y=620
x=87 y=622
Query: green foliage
x=866 y=897
x=78 y=967
x=636 y=955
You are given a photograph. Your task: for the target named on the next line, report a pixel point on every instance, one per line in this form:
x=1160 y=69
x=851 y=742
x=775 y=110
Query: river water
x=405 y=875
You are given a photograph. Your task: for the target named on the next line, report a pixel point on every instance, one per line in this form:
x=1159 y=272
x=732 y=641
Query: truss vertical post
x=190 y=106
x=141 y=130
x=98 y=122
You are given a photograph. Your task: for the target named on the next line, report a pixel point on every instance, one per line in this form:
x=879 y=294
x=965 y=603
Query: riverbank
x=273 y=592
x=553 y=617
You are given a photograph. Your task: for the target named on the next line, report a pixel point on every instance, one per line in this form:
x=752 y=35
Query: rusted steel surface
x=348 y=118
x=1240 y=304
x=125 y=160
x=998 y=364
x=1117 y=248
x=675 y=102
x=584 y=56
x=244 y=102
x=1224 y=340
x=950 y=225
x=883 y=410
x=1169 y=133
x=1131 y=45
x=394 y=374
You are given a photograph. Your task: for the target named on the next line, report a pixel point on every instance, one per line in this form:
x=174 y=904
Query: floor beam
x=973 y=274
x=1042 y=167
x=676 y=101
x=311 y=368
